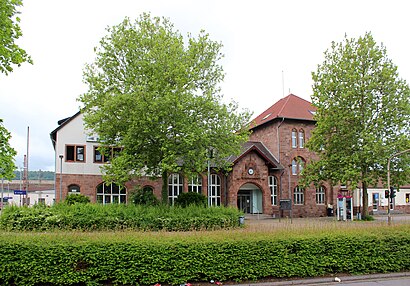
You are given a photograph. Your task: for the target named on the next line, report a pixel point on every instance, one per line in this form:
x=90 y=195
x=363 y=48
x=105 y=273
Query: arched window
x=301 y=138
x=195 y=184
x=148 y=189
x=215 y=191
x=273 y=186
x=294 y=138
x=297 y=165
x=111 y=194
x=298 y=196
x=73 y=189
x=320 y=195
x=175 y=184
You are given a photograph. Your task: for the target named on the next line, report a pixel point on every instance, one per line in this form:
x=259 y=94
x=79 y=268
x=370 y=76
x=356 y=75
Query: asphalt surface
x=385 y=279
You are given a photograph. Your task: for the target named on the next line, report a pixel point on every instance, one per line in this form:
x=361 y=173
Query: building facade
x=264 y=177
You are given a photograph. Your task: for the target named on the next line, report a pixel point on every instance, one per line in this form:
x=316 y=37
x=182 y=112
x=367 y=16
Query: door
x=244 y=201
x=375 y=201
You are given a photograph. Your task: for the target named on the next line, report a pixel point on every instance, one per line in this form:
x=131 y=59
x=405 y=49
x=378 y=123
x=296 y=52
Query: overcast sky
x=261 y=39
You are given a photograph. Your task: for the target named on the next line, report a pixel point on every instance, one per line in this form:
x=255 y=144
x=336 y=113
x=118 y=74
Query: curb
x=316 y=281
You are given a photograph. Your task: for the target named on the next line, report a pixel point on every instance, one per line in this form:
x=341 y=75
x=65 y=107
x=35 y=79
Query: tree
x=159 y=98
x=10 y=52
x=7 y=154
x=363 y=116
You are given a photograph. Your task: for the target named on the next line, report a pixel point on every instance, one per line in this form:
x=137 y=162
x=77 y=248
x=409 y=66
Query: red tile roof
x=291 y=107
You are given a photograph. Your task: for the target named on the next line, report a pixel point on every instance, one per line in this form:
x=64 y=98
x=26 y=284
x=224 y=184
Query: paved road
x=392 y=279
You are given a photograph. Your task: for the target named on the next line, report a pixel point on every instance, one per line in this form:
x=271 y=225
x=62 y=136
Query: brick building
x=263 y=178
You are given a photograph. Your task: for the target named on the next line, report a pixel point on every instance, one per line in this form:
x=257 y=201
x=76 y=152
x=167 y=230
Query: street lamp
x=61 y=176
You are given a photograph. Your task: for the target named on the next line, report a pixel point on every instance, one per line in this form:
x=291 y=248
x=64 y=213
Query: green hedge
x=95 y=217
x=123 y=258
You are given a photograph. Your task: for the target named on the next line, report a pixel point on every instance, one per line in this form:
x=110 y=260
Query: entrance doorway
x=249 y=199
x=244 y=201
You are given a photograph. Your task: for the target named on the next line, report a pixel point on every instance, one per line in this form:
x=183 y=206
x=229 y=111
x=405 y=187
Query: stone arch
x=250 y=198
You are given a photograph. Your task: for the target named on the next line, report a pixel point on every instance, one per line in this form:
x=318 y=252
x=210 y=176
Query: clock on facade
x=250 y=171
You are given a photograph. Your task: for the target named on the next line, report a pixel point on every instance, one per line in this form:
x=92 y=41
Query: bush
x=72 y=258
x=144 y=196
x=96 y=217
x=76 y=199
x=191 y=198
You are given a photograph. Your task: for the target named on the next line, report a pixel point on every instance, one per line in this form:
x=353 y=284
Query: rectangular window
x=195 y=184
x=298 y=196
x=294 y=139
x=273 y=186
x=100 y=158
x=75 y=153
x=320 y=195
x=301 y=139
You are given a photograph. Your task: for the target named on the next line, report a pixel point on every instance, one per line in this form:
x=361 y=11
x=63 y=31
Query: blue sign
x=20 y=192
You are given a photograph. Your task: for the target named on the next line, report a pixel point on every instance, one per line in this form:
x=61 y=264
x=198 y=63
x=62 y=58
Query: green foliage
x=128 y=259
x=76 y=199
x=7 y=154
x=157 y=94
x=35 y=175
x=191 y=198
x=368 y=218
x=10 y=52
x=93 y=217
x=143 y=196
x=363 y=116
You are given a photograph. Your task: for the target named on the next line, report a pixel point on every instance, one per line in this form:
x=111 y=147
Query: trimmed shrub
x=76 y=199
x=95 y=217
x=128 y=259
x=143 y=196
x=191 y=198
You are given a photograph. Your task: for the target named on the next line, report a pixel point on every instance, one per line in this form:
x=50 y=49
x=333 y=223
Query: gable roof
x=259 y=148
x=290 y=107
x=61 y=123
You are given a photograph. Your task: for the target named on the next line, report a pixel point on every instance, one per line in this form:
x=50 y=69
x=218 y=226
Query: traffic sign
x=20 y=192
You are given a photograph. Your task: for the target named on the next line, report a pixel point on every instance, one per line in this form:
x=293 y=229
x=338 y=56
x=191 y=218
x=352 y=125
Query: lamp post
x=388 y=182
x=61 y=177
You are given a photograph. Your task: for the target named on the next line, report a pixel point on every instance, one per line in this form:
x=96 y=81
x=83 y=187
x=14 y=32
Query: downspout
x=277 y=137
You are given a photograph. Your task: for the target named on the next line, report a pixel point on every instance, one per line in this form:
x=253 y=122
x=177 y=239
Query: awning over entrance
x=261 y=150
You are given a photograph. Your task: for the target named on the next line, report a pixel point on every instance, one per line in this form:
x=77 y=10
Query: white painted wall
x=17 y=200
x=73 y=133
x=399 y=200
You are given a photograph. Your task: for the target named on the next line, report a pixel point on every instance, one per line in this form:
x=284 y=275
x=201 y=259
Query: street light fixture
x=61 y=177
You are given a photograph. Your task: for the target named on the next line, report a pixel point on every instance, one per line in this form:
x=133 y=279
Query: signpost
x=285 y=205
x=20 y=192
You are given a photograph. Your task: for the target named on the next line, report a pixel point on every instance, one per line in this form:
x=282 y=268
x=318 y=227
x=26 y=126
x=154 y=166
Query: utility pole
x=388 y=182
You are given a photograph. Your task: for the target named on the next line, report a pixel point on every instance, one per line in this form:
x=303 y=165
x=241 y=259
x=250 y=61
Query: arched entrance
x=249 y=199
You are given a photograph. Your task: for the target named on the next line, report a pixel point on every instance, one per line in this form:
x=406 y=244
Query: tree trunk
x=164 y=192
x=365 y=200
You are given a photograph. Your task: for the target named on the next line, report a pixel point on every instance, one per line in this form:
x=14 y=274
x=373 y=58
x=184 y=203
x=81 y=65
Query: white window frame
x=298 y=196
x=195 y=184
x=107 y=196
x=301 y=138
x=320 y=195
x=273 y=186
x=294 y=138
x=175 y=186
x=214 y=198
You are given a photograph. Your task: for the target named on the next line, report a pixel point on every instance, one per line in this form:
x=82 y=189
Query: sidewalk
x=330 y=280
